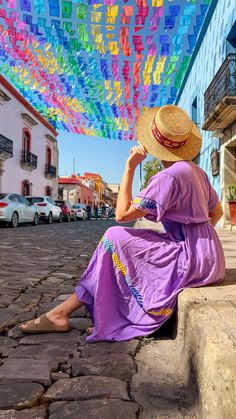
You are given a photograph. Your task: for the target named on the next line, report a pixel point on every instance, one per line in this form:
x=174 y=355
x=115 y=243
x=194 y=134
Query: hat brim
x=144 y=135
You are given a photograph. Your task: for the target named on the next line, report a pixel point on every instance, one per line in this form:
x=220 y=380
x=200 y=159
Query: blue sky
x=96 y=155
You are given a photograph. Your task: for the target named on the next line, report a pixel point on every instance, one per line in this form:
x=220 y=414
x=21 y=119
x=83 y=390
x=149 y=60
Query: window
x=195 y=111
x=231 y=40
x=48 y=191
x=13 y=198
x=50 y=200
x=26 y=146
x=25 y=188
x=48 y=156
x=23 y=200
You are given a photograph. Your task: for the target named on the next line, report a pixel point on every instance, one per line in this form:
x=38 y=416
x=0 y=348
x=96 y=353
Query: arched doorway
x=48 y=191
x=26 y=188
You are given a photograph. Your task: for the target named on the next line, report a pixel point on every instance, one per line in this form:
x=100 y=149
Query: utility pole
x=140 y=176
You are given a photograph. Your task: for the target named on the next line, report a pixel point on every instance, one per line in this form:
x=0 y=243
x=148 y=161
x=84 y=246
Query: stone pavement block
x=23 y=316
x=15 y=395
x=27 y=301
x=35 y=413
x=7 y=318
x=57 y=338
x=62 y=275
x=94 y=409
x=45 y=307
x=6 y=299
x=53 y=281
x=62 y=297
x=47 y=351
x=6 y=344
x=28 y=370
x=55 y=376
x=6 y=291
x=130 y=347
x=80 y=324
x=15 y=332
x=115 y=365
x=81 y=312
x=84 y=388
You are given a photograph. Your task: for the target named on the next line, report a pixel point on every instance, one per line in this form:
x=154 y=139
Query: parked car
x=47 y=208
x=80 y=211
x=15 y=209
x=67 y=210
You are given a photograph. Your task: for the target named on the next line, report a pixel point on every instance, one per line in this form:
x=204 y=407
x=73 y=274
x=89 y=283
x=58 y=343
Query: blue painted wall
x=209 y=57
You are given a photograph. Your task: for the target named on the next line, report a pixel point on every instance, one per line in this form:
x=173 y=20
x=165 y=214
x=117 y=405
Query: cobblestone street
x=58 y=375
x=39 y=268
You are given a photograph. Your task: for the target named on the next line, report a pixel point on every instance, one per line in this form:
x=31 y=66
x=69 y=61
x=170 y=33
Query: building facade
x=208 y=94
x=28 y=147
x=102 y=188
x=115 y=190
x=73 y=190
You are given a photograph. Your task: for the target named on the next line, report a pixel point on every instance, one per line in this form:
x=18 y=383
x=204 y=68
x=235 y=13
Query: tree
x=151 y=167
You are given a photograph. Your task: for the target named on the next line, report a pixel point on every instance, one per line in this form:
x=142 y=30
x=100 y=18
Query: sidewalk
x=205 y=345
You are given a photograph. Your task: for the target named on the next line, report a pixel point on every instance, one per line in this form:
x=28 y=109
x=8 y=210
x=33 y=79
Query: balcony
x=29 y=161
x=220 y=97
x=50 y=171
x=6 y=148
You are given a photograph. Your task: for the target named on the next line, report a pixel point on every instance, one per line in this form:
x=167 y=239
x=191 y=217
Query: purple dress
x=135 y=275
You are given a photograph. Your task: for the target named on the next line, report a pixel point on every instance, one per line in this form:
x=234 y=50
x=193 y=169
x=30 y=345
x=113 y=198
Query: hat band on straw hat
x=163 y=140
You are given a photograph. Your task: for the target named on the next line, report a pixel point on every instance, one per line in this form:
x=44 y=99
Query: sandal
x=44 y=326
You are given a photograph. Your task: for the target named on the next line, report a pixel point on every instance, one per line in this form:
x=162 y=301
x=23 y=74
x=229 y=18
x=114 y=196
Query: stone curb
x=206 y=335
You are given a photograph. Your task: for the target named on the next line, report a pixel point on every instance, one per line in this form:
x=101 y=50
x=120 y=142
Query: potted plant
x=231 y=199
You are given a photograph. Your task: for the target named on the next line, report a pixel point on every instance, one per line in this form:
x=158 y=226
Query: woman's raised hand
x=137 y=155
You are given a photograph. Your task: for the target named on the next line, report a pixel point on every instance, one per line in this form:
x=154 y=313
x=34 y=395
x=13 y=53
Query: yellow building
x=104 y=192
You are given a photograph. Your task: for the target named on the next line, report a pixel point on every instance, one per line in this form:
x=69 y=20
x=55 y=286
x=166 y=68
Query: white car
x=47 y=208
x=80 y=211
x=15 y=209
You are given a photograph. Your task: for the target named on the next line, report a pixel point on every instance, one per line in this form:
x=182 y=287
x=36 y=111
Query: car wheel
x=49 y=219
x=60 y=218
x=14 y=220
x=36 y=220
x=68 y=218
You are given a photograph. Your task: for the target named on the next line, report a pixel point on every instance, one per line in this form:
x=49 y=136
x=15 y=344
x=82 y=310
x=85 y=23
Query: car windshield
x=76 y=206
x=2 y=195
x=60 y=203
x=35 y=199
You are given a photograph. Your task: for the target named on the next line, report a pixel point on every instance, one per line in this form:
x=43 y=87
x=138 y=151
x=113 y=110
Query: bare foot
x=90 y=330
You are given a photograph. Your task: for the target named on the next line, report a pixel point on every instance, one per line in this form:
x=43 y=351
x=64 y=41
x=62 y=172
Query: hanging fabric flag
x=85 y=64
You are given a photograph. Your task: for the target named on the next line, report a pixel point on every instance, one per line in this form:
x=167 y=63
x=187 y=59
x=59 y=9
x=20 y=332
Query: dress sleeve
x=159 y=195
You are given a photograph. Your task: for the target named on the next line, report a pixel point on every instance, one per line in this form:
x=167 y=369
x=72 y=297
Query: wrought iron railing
x=29 y=158
x=223 y=84
x=50 y=170
x=6 y=147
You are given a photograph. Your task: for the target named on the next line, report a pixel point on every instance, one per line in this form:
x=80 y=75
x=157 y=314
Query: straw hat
x=168 y=133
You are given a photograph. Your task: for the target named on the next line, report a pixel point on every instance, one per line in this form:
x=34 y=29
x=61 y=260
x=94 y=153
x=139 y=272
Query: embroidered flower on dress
x=110 y=247
x=145 y=203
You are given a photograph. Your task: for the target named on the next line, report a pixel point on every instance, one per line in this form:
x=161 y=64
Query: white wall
x=11 y=126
